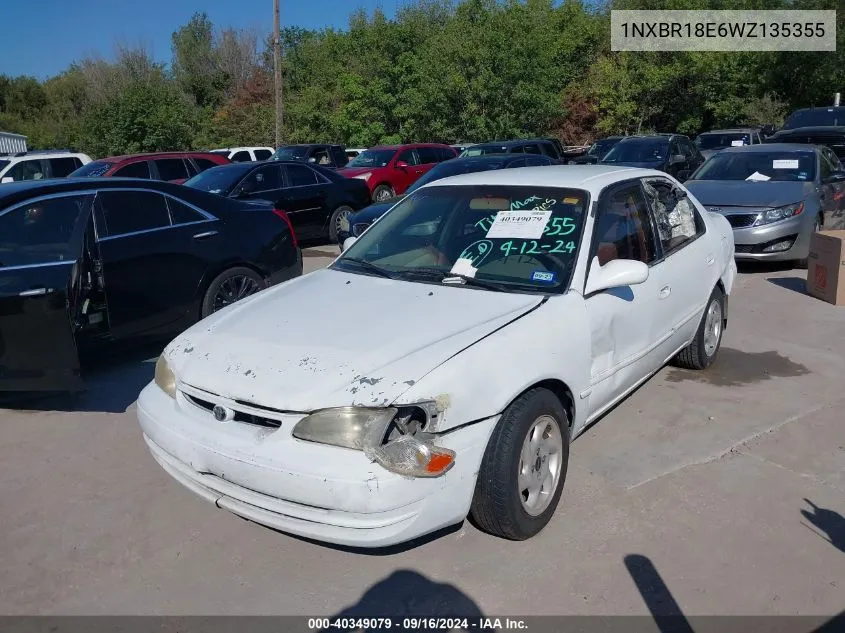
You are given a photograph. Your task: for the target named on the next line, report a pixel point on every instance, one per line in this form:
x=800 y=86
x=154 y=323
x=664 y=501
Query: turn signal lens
x=413 y=458
x=164 y=377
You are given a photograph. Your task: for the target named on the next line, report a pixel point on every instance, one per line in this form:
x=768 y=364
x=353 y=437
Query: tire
x=500 y=505
x=230 y=286
x=334 y=221
x=817 y=226
x=382 y=193
x=704 y=348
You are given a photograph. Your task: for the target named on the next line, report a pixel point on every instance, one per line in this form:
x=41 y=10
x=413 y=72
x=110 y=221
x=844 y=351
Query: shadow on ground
x=734 y=368
x=749 y=268
x=828 y=522
x=797 y=284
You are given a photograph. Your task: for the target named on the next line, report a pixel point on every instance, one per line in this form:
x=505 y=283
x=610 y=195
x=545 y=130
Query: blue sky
x=42 y=38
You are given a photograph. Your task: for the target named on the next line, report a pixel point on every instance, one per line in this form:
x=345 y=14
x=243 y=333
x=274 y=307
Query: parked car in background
x=357 y=223
x=315 y=199
x=88 y=263
x=468 y=414
x=816 y=126
x=245 y=154
x=460 y=147
x=174 y=167
x=670 y=153
x=352 y=153
x=775 y=196
x=522 y=146
x=597 y=151
x=558 y=146
x=40 y=165
x=389 y=170
x=331 y=156
x=708 y=143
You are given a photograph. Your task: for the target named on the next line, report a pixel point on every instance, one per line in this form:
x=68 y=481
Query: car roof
x=730 y=130
x=592 y=178
x=153 y=155
x=40 y=154
x=773 y=147
x=820 y=109
x=22 y=190
x=409 y=145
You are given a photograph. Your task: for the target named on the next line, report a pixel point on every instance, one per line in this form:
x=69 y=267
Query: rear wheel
x=341 y=213
x=701 y=353
x=382 y=193
x=524 y=467
x=229 y=287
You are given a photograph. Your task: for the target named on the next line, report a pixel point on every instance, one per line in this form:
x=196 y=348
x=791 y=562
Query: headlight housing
x=164 y=377
x=365 y=176
x=397 y=438
x=780 y=213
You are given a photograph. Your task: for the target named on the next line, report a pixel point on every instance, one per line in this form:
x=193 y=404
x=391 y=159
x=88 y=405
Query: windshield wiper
x=376 y=270
x=444 y=276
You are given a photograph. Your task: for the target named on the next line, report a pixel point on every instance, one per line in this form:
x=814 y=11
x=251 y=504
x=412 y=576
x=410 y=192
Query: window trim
x=700 y=224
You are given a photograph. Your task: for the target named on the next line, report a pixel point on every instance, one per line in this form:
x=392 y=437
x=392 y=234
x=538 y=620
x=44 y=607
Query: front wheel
x=341 y=213
x=701 y=352
x=230 y=286
x=524 y=467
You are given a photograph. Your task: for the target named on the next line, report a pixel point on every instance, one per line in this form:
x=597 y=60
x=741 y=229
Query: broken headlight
x=164 y=377
x=397 y=438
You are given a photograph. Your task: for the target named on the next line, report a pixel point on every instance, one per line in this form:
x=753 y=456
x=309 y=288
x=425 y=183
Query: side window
x=300 y=176
x=131 y=211
x=181 y=213
x=61 y=167
x=171 y=169
x=204 y=163
x=623 y=228
x=241 y=157
x=516 y=149
x=835 y=165
x=264 y=178
x=428 y=155
x=675 y=149
x=141 y=169
x=409 y=156
x=28 y=170
x=675 y=216
x=41 y=232
x=548 y=149
x=321 y=157
x=260 y=154
x=339 y=158
x=826 y=168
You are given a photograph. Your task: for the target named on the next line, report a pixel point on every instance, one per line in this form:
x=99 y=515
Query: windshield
x=292 y=152
x=517 y=238
x=638 y=150
x=758 y=166
x=444 y=170
x=813 y=118
x=722 y=140
x=219 y=180
x=602 y=147
x=372 y=158
x=91 y=170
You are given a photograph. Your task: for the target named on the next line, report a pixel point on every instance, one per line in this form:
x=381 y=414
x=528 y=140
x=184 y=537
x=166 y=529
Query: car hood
x=333 y=338
x=741 y=193
x=373 y=212
x=351 y=172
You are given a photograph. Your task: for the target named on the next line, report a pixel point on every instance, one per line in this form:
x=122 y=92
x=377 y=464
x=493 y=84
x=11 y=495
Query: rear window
x=63 y=167
x=262 y=154
x=241 y=157
x=300 y=176
x=92 y=170
x=141 y=169
x=171 y=169
x=40 y=232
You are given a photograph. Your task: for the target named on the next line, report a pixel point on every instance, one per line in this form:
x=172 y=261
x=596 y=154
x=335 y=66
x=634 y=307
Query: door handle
x=35 y=292
x=665 y=291
x=202 y=236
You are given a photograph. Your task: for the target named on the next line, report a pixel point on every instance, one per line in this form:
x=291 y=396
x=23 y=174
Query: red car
x=389 y=170
x=170 y=166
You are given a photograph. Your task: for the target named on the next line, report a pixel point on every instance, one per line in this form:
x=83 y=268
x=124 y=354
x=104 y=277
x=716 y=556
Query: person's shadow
x=408 y=594
x=828 y=521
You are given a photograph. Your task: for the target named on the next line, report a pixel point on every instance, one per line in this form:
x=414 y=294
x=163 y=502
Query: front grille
x=245 y=417
x=741 y=220
x=359 y=228
x=744 y=248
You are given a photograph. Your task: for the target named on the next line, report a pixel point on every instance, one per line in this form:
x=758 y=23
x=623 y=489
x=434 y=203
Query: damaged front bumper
x=312 y=490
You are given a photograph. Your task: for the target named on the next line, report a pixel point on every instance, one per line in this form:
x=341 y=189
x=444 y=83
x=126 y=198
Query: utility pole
x=277 y=68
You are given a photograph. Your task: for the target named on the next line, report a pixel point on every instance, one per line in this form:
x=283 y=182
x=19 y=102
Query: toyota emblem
x=222 y=414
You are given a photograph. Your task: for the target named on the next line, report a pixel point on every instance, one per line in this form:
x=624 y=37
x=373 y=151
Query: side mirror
x=312 y=160
x=836 y=176
x=677 y=159
x=615 y=274
x=7 y=179
x=348 y=242
x=401 y=164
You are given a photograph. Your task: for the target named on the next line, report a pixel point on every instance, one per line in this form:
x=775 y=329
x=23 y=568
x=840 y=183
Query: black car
x=816 y=126
x=672 y=153
x=597 y=151
x=331 y=156
x=521 y=146
x=316 y=199
x=90 y=262
x=357 y=223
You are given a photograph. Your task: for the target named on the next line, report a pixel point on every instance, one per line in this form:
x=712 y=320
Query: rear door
x=305 y=199
x=40 y=247
x=404 y=177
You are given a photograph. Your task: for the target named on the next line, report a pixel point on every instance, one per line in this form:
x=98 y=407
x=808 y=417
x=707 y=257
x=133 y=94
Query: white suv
x=245 y=154
x=40 y=165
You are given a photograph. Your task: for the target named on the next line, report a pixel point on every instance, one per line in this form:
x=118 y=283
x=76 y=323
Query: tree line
x=440 y=70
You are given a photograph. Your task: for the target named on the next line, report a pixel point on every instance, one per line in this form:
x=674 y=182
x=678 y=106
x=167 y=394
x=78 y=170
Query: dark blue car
x=356 y=223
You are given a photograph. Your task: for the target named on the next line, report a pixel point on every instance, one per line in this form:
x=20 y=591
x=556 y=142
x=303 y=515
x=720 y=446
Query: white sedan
x=497 y=314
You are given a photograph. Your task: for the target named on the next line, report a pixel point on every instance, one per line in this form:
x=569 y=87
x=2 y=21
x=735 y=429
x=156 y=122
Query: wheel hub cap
x=712 y=328
x=234 y=289
x=540 y=465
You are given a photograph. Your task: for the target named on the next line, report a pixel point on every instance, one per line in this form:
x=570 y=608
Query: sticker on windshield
x=790 y=163
x=527 y=224
x=464 y=267
x=738 y=143
x=535 y=203
x=758 y=177
x=544 y=276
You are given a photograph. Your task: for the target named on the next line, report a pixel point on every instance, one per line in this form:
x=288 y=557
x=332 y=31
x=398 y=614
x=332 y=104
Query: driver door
x=41 y=244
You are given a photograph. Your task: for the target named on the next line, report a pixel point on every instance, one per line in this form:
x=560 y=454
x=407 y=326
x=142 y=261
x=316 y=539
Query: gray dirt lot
x=711 y=477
